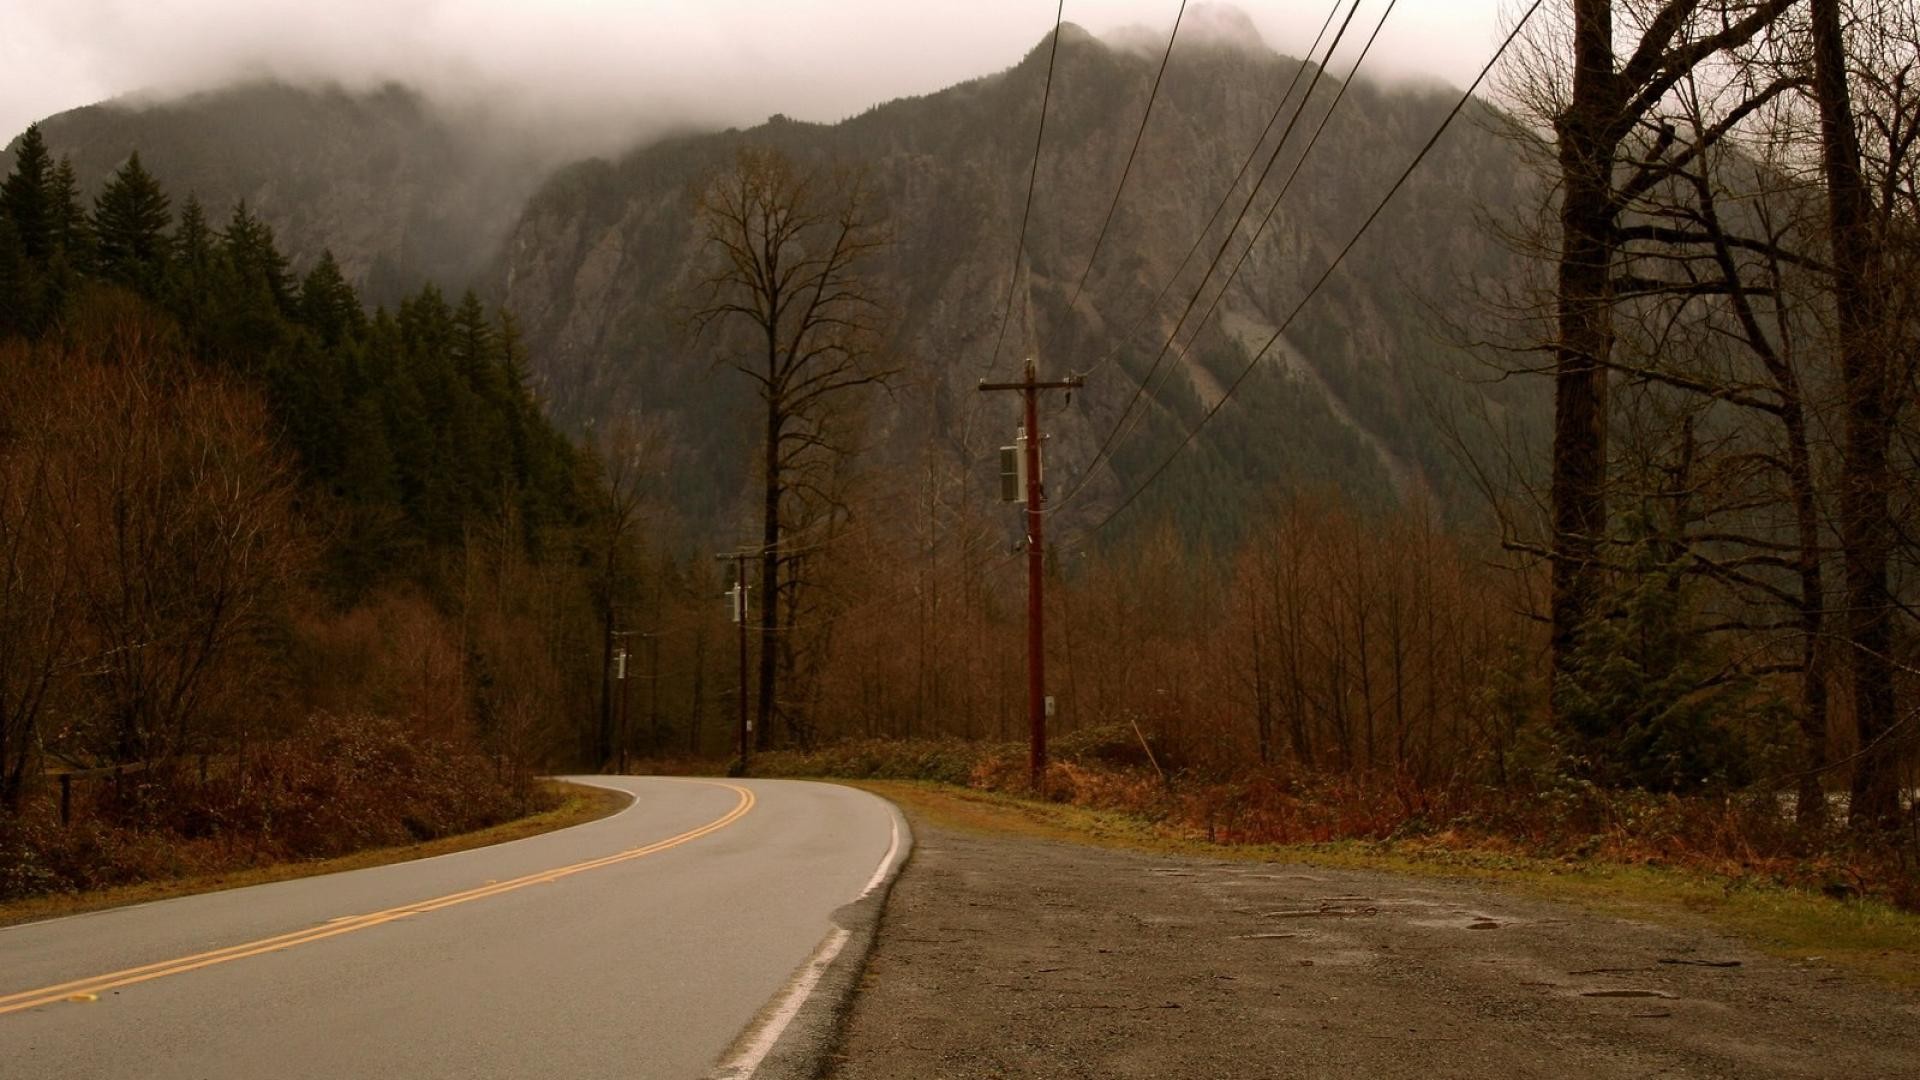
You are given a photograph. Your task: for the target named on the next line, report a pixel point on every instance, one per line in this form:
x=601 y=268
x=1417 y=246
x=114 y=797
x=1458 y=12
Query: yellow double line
x=80 y=988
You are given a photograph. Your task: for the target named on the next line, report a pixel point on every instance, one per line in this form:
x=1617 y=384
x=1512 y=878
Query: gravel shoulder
x=1003 y=955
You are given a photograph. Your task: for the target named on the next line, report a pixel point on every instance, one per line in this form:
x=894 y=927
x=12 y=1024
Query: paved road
x=640 y=945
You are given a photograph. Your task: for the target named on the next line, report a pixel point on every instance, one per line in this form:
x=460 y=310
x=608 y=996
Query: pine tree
x=251 y=248
x=328 y=305
x=130 y=221
x=24 y=196
x=70 y=231
x=19 y=307
x=193 y=239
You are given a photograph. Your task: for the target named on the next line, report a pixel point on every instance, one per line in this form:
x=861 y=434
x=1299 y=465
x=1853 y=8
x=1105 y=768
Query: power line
x=1226 y=196
x=1152 y=96
x=1033 y=177
x=1226 y=241
x=1260 y=230
x=1325 y=275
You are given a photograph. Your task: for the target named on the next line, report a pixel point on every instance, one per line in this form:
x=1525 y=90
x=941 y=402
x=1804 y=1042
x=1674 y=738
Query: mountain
x=1357 y=394
x=598 y=258
x=402 y=191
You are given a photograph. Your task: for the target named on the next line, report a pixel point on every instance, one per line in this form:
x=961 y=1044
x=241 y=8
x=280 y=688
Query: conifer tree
x=24 y=196
x=193 y=238
x=130 y=222
x=18 y=311
x=251 y=248
x=328 y=305
x=70 y=232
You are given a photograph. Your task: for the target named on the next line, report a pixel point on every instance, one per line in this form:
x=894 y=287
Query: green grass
x=1864 y=936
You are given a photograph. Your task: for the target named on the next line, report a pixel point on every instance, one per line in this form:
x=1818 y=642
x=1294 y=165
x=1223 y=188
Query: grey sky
x=615 y=66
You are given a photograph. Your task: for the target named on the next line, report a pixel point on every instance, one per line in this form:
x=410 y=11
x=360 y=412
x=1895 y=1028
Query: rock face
x=598 y=258
x=401 y=191
x=1347 y=396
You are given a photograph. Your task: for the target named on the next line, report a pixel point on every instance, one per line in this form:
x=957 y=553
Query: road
x=640 y=945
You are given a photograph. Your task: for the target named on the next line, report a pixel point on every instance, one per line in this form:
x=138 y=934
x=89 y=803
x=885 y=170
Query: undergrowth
x=1747 y=838
x=344 y=785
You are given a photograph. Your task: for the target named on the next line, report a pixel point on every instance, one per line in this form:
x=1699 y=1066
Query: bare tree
x=791 y=304
x=1607 y=100
x=1865 y=285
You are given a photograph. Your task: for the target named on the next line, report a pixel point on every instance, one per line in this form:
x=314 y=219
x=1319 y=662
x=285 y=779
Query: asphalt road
x=641 y=945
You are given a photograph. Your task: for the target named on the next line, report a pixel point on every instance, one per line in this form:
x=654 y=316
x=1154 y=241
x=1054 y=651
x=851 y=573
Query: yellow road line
x=47 y=995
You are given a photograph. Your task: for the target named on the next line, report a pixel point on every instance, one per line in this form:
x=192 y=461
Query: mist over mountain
x=598 y=258
x=401 y=190
x=1354 y=394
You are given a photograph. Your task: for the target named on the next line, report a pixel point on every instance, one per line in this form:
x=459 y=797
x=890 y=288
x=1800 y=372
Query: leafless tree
x=791 y=304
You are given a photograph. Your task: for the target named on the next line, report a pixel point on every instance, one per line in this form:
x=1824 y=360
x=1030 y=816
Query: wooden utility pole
x=623 y=659
x=739 y=595
x=1030 y=388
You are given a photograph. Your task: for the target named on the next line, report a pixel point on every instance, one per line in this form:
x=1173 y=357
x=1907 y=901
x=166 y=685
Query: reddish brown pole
x=1030 y=388
x=1036 y=608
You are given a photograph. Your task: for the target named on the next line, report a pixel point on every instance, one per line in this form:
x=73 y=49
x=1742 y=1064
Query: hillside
x=596 y=259
x=401 y=191
x=606 y=252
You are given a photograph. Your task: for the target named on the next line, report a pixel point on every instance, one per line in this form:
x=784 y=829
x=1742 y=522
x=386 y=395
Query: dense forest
x=260 y=546
x=279 y=576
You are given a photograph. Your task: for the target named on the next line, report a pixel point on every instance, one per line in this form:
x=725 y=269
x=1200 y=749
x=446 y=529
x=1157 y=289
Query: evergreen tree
x=70 y=232
x=328 y=305
x=251 y=249
x=19 y=307
x=1645 y=698
x=25 y=196
x=130 y=221
x=193 y=239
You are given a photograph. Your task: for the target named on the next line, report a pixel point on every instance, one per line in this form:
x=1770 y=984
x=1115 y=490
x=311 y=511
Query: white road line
x=749 y=1058
x=880 y=872
x=742 y=1065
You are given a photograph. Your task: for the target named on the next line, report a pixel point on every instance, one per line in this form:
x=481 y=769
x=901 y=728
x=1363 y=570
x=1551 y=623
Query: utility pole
x=653 y=692
x=739 y=594
x=1035 y=494
x=622 y=657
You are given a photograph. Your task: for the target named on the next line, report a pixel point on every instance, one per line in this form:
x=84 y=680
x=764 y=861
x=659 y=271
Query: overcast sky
x=637 y=63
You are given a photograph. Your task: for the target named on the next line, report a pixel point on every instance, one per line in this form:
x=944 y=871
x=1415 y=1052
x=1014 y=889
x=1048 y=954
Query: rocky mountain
x=598 y=258
x=401 y=190
x=1355 y=395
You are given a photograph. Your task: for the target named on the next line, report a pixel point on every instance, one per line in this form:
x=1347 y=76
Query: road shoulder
x=1004 y=954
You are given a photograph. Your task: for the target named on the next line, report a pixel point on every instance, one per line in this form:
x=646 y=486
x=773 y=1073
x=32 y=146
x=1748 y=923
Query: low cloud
x=600 y=74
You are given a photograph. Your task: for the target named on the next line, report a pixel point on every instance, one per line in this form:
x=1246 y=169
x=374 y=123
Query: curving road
x=640 y=945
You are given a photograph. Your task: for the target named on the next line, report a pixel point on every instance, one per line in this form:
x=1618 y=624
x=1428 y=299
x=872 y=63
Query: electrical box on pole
x=737 y=597
x=1015 y=486
x=1028 y=483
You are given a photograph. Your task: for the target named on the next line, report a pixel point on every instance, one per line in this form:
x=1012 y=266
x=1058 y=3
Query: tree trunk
x=1866 y=531
x=1586 y=154
x=769 y=580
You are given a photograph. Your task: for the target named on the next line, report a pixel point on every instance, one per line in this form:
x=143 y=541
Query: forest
x=262 y=548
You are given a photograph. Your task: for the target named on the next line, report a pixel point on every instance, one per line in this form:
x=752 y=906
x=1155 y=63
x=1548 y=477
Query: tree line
x=237 y=506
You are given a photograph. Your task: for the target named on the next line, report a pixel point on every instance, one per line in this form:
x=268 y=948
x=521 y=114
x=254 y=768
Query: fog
x=597 y=75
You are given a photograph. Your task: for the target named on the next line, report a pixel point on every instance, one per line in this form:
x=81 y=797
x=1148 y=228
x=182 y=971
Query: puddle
x=1662 y=994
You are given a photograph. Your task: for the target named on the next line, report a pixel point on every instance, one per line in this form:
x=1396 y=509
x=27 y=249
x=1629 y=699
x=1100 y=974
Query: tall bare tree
x=792 y=305
x=1874 y=379
x=1607 y=100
